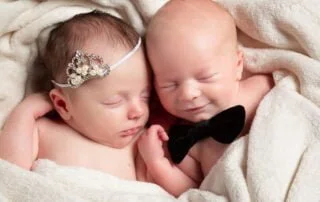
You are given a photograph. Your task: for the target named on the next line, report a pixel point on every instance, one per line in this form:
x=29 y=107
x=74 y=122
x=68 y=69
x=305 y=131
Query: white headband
x=85 y=66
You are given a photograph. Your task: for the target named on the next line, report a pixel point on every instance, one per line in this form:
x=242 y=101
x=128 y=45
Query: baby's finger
x=152 y=130
x=163 y=135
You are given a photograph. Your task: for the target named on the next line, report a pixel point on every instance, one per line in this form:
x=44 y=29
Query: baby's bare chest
x=207 y=152
x=66 y=147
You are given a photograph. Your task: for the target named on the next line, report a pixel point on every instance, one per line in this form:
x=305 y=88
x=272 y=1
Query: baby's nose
x=189 y=92
x=136 y=110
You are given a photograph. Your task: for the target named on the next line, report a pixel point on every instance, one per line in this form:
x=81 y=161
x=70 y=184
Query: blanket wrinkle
x=269 y=60
x=309 y=169
x=273 y=23
x=277 y=161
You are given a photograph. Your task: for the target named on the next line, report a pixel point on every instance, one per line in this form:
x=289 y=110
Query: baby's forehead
x=190 y=17
x=120 y=82
x=102 y=47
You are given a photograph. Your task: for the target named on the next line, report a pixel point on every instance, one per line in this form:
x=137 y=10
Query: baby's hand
x=38 y=104
x=151 y=143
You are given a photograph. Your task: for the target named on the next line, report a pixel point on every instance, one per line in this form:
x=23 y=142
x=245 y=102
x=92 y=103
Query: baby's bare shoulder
x=46 y=125
x=265 y=81
x=257 y=86
x=54 y=130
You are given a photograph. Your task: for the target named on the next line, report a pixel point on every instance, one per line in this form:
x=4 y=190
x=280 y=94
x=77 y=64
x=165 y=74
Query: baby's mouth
x=131 y=131
x=196 y=109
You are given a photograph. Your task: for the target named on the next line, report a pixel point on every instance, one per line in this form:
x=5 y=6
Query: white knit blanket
x=278 y=161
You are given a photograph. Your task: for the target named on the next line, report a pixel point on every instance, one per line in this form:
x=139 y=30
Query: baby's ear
x=60 y=103
x=239 y=69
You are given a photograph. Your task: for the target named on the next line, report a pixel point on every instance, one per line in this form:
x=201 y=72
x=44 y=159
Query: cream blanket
x=278 y=161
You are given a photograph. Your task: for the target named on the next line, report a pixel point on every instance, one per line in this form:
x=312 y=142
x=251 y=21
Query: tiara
x=84 y=66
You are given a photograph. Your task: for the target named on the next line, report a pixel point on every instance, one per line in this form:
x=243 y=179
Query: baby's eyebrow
x=206 y=70
x=162 y=82
x=161 y=79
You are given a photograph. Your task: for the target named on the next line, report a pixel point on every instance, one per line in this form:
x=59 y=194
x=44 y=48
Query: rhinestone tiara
x=84 y=66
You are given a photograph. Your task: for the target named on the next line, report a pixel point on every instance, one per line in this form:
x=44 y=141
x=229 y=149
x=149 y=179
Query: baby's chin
x=202 y=116
x=122 y=142
x=195 y=118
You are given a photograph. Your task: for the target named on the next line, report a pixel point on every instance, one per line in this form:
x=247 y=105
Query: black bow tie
x=223 y=127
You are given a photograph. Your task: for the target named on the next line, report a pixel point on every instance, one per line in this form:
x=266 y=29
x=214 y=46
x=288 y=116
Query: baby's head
x=102 y=92
x=192 y=48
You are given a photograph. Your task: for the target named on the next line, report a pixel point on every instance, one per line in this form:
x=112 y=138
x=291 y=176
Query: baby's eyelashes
x=168 y=85
x=113 y=101
x=208 y=78
x=118 y=100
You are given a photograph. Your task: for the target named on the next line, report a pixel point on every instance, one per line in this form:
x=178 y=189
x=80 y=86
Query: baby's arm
x=164 y=172
x=19 y=137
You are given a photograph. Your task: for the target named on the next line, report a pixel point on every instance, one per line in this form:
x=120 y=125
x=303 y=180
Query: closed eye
x=208 y=77
x=113 y=101
x=168 y=86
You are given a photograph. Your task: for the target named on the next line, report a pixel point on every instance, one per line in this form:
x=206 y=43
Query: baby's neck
x=250 y=95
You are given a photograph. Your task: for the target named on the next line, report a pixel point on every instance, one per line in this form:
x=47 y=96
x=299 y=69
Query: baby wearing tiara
x=101 y=92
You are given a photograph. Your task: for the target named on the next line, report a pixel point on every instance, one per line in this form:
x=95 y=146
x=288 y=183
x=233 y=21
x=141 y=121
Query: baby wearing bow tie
x=198 y=77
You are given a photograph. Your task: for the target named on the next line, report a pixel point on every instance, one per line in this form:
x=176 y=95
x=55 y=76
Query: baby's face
x=195 y=79
x=113 y=110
